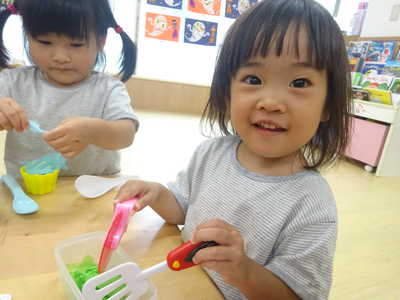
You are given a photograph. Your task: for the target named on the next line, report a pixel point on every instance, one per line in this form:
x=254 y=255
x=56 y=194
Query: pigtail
x=128 y=57
x=128 y=53
x=5 y=13
x=105 y=20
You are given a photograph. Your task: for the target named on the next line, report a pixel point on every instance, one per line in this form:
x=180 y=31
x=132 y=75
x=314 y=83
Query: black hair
x=73 y=18
x=262 y=30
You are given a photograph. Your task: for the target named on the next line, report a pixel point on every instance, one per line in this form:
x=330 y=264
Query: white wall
x=377 y=22
x=12 y=36
x=346 y=13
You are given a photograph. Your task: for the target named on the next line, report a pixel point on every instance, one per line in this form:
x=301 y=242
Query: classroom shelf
x=376 y=111
x=377 y=144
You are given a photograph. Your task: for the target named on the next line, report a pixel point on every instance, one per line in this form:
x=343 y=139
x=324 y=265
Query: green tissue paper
x=86 y=269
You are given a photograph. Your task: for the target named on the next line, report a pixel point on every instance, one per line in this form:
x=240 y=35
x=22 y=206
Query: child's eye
x=251 y=79
x=44 y=42
x=77 y=45
x=300 y=83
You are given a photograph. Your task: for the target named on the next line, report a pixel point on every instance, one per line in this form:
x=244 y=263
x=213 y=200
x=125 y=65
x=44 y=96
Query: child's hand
x=147 y=192
x=12 y=116
x=70 y=137
x=228 y=258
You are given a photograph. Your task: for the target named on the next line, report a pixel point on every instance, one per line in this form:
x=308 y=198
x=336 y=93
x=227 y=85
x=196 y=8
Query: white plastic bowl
x=73 y=250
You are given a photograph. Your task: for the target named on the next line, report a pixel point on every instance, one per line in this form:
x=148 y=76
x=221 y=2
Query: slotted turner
x=127 y=280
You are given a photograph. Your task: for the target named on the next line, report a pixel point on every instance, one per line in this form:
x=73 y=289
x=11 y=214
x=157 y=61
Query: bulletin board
x=178 y=40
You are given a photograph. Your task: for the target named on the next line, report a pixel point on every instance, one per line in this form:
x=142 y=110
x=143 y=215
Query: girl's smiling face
x=276 y=106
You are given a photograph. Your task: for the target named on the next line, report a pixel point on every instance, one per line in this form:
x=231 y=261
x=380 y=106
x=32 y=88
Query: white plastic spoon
x=90 y=186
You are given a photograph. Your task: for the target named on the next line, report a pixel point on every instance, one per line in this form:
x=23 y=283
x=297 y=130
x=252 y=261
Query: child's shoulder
x=19 y=76
x=25 y=71
x=220 y=143
x=312 y=180
x=101 y=76
x=104 y=80
x=315 y=194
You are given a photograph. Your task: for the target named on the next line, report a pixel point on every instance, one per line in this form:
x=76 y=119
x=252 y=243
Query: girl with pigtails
x=87 y=114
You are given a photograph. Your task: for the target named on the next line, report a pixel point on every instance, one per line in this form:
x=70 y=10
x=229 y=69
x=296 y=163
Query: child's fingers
x=216 y=230
x=57 y=143
x=220 y=235
x=4 y=122
x=136 y=188
x=214 y=253
x=17 y=116
x=142 y=202
x=13 y=117
x=70 y=154
x=127 y=191
x=214 y=223
x=53 y=135
x=22 y=117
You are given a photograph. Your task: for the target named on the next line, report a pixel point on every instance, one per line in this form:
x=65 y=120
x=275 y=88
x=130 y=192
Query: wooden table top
x=27 y=264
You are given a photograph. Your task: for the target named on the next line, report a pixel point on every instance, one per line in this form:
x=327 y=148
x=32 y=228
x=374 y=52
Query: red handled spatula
x=128 y=281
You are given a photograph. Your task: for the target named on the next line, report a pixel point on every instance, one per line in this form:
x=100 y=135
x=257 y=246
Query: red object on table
x=117 y=228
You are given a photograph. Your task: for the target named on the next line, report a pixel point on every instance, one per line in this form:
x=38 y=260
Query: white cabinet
x=376 y=144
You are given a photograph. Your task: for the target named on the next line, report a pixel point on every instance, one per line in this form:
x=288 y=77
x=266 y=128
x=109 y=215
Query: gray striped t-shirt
x=288 y=223
x=99 y=96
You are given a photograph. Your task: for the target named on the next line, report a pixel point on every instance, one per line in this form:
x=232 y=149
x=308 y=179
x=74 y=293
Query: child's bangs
x=71 y=18
x=280 y=32
x=285 y=40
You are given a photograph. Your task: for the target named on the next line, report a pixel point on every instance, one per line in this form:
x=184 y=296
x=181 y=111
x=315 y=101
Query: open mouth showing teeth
x=270 y=127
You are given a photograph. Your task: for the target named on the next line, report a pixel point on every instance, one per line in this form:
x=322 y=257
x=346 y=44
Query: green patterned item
x=86 y=269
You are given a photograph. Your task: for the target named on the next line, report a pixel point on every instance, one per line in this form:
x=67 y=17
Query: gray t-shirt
x=99 y=96
x=288 y=223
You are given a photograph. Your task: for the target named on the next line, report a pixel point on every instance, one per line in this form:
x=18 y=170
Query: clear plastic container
x=73 y=250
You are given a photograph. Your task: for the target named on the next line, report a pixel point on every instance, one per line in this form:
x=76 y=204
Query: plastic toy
x=22 y=204
x=35 y=127
x=128 y=279
x=94 y=186
x=119 y=223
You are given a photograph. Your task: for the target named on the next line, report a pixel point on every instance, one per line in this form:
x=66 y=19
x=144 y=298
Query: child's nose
x=61 y=56
x=271 y=102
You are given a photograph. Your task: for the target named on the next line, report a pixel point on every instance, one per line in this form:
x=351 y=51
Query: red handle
x=181 y=257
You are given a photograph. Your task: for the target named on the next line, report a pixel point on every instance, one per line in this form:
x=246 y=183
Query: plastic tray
x=73 y=250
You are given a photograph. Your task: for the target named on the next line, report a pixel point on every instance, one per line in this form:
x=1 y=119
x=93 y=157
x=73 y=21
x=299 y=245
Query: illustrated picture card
x=234 y=8
x=208 y=7
x=200 y=32
x=177 y=4
x=162 y=27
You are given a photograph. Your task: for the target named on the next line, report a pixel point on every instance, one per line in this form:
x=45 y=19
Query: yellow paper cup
x=37 y=184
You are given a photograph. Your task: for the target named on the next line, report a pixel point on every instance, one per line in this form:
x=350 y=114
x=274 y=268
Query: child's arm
x=73 y=135
x=12 y=116
x=111 y=135
x=154 y=194
x=230 y=261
